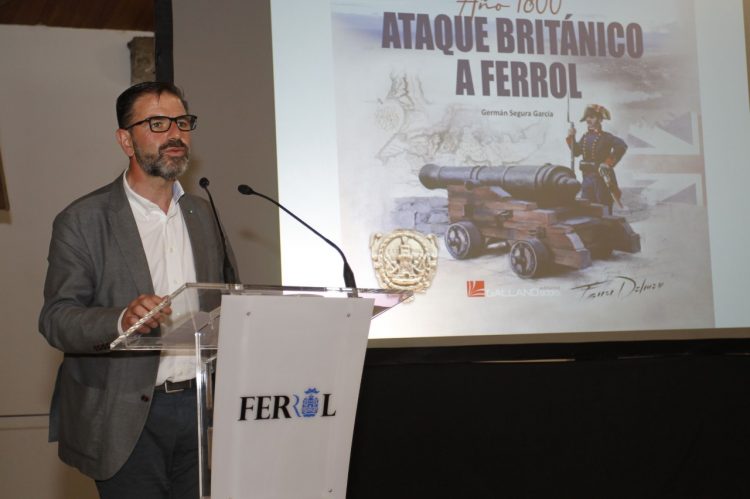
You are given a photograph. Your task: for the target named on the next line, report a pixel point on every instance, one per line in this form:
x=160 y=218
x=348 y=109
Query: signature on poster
x=618 y=287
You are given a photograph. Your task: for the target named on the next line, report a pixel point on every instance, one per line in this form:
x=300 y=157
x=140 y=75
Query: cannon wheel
x=463 y=240
x=528 y=258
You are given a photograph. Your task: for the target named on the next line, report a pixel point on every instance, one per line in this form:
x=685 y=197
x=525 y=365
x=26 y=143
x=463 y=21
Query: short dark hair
x=126 y=99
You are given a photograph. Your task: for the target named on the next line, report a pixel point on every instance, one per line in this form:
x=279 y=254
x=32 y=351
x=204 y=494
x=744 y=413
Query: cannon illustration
x=533 y=210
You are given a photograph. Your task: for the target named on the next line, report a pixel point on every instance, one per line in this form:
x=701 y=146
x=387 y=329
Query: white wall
x=57 y=120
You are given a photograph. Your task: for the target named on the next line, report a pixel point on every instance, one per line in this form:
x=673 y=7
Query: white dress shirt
x=170 y=260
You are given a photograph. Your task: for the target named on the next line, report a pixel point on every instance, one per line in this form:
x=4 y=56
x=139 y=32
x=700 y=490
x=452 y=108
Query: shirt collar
x=145 y=206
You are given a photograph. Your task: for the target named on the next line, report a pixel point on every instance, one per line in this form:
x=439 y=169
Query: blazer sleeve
x=70 y=319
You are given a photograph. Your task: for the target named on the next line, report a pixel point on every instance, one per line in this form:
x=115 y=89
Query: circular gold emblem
x=404 y=259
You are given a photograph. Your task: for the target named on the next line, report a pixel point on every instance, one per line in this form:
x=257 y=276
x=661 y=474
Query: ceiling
x=136 y=15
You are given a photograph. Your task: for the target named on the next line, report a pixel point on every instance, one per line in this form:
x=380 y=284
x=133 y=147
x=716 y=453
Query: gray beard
x=159 y=165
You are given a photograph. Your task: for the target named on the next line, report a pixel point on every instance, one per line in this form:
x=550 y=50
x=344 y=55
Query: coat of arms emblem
x=404 y=259
x=310 y=403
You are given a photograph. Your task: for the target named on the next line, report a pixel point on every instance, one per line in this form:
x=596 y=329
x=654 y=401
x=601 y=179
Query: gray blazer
x=97 y=266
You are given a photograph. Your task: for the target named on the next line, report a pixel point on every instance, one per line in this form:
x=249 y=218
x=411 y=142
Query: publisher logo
x=475 y=289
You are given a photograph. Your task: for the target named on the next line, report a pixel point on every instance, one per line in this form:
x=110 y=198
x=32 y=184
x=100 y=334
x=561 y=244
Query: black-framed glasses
x=161 y=124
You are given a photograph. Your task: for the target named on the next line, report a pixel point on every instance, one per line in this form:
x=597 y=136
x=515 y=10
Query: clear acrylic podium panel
x=196 y=310
x=193 y=326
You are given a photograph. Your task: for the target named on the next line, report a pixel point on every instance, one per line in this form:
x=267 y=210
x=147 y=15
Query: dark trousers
x=164 y=463
x=595 y=190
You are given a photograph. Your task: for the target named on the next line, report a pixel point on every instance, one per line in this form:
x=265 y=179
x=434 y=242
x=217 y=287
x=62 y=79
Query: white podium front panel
x=287 y=382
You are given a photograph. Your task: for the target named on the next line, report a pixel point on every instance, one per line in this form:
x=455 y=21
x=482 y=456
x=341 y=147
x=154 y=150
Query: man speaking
x=128 y=419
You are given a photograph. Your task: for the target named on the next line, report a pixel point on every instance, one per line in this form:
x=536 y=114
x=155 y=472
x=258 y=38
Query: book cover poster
x=518 y=224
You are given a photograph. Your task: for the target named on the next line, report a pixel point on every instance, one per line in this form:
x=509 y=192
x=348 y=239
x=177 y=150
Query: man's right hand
x=139 y=308
x=572 y=132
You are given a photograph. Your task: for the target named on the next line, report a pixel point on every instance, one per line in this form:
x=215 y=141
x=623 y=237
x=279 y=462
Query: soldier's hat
x=596 y=110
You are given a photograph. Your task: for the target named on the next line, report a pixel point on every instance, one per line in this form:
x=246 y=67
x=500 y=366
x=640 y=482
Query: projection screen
x=497 y=238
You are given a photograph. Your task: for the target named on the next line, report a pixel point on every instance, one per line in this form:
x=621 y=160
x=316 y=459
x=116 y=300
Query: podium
x=277 y=389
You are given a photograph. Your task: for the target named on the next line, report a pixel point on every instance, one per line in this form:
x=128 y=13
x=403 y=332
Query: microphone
x=349 y=281
x=230 y=276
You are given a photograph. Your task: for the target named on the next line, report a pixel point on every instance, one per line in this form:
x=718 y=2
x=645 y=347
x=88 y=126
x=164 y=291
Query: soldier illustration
x=601 y=152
